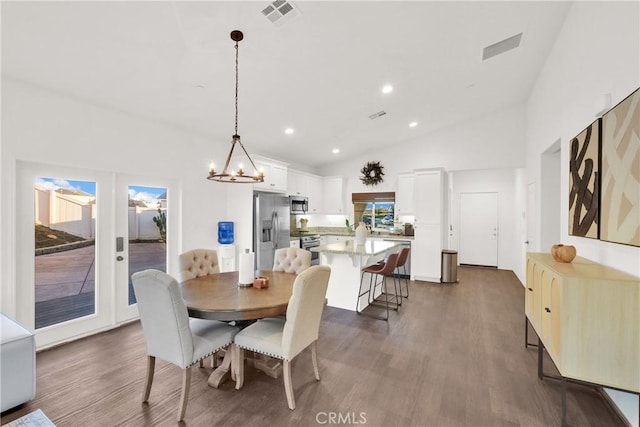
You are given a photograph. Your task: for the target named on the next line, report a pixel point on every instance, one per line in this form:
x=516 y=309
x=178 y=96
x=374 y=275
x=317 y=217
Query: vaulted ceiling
x=319 y=70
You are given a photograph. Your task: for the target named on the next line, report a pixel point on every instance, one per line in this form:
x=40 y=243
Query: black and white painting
x=620 y=208
x=584 y=185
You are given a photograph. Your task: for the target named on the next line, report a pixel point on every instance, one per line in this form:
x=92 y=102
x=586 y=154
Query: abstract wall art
x=620 y=173
x=584 y=185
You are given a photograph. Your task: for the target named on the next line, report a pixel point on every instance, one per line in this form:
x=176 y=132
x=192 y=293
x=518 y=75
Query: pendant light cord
x=239 y=175
x=236 y=88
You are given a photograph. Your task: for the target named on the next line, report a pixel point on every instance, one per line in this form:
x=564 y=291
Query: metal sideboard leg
x=563 y=384
x=526 y=334
x=564 y=402
x=540 y=348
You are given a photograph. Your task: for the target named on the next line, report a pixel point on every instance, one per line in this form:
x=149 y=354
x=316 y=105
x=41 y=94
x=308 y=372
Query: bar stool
x=385 y=299
x=403 y=256
x=402 y=262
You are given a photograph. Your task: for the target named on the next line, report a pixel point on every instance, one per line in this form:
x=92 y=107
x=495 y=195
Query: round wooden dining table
x=218 y=297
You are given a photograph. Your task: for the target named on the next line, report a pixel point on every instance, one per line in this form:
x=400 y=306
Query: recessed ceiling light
x=413 y=124
x=335 y=150
x=387 y=89
x=288 y=131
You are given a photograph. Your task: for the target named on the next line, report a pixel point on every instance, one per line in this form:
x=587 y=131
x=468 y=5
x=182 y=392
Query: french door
x=73 y=271
x=144 y=233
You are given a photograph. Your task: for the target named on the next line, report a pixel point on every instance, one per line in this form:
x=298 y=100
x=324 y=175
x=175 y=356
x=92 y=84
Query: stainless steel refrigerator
x=271 y=224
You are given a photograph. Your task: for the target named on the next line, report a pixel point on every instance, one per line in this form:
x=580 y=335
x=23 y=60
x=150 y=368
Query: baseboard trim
x=613 y=406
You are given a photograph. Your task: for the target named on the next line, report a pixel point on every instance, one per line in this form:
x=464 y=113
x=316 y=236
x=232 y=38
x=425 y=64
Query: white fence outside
x=141 y=225
x=65 y=212
x=77 y=215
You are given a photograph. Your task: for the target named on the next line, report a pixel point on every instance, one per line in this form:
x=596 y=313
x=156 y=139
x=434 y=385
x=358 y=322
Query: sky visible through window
x=136 y=192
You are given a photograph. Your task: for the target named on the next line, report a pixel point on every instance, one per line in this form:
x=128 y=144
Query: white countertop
x=349 y=247
x=394 y=238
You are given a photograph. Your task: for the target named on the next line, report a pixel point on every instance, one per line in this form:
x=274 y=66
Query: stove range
x=309 y=241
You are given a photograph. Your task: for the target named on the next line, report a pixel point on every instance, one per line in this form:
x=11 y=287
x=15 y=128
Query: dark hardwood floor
x=453 y=355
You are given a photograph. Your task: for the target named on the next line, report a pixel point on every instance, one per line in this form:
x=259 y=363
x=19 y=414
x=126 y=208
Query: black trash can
x=449 y=265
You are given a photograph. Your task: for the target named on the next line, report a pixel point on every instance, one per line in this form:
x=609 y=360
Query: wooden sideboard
x=587 y=316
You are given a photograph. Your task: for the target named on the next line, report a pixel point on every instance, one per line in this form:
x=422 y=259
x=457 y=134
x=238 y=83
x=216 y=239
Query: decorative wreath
x=372 y=173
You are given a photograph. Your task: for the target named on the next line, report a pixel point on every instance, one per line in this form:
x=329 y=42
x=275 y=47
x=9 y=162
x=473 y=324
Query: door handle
x=526 y=242
x=119 y=258
x=274 y=222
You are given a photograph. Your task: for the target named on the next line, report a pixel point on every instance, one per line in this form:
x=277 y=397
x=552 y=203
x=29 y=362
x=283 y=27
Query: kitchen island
x=346 y=260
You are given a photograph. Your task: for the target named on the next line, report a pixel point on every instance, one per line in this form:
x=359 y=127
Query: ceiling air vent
x=280 y=11
x=501 y=46
x=378 y=114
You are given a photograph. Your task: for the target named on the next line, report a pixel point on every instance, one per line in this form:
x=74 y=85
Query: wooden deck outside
x=65 y=281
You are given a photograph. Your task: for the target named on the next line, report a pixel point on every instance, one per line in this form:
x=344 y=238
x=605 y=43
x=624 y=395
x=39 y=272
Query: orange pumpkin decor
x=562 y=253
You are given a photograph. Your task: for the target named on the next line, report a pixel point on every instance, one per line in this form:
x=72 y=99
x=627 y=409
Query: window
x=376 y=210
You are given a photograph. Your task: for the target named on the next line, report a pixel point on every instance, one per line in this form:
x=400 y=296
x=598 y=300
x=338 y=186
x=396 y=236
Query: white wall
x=42 y=126
x=489 y=142
x=550 y=196
x=597 y=52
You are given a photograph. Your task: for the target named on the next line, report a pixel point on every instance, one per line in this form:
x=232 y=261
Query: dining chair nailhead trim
x=262 y=352
x=210 y=354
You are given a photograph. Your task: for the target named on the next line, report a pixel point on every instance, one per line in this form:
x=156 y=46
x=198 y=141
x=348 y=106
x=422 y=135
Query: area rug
x=36 y=418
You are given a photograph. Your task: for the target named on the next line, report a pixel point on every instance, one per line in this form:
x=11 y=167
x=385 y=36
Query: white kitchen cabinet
x=587 y=316
x=294 y=243
x=332 y=238
x=404 y=195
x=429 y=196
x=327 y=239
x=427 y=249
x=333 y=195
x=315 y=194
x=430 y=224
x=307 y=185
x=296 y=183
x=275 y=175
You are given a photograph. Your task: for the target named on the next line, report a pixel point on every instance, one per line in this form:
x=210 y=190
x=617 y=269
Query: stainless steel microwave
x=299 y=204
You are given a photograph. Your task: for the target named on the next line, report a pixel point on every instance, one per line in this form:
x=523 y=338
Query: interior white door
x=479 y=229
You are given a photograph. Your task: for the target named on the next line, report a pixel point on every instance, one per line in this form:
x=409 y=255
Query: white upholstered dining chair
x=286 y=338
x=198 y=262
x=291 y=260
x=169 y=332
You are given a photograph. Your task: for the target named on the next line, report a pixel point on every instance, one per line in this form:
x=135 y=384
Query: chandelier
x=239 y=175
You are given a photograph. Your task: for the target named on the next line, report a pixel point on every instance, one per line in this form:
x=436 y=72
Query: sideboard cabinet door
x=587 y=315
